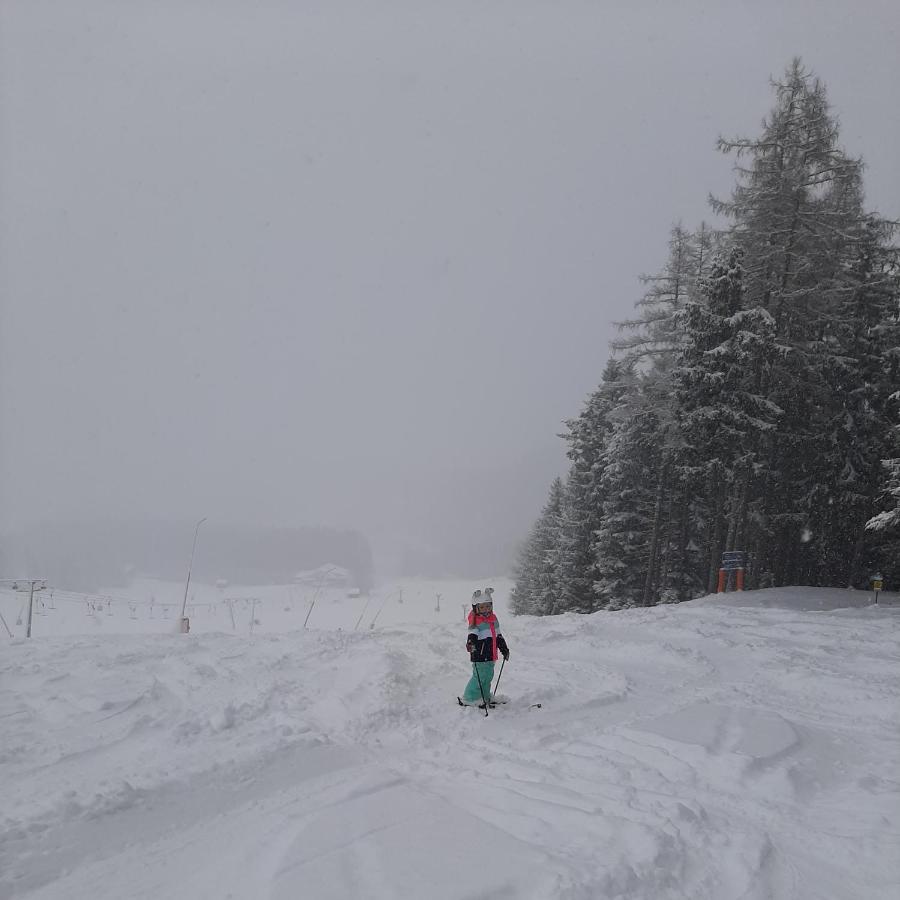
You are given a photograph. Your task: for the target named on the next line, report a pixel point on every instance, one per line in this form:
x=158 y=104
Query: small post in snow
x=184 y=626
x=877 y=585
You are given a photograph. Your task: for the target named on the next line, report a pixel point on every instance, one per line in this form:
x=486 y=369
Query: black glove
x=470 y=646
x=505 y=653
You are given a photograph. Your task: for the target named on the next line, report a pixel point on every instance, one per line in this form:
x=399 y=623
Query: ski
x=494 y=703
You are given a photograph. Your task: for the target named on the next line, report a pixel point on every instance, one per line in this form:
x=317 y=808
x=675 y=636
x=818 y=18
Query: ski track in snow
x=698 y=751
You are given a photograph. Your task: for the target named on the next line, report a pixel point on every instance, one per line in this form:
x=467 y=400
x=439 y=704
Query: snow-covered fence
x=152 y=606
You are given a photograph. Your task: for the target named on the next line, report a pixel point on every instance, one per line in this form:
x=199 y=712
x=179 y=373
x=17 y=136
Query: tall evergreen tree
x=798 y=214
x=535 y=573
x=653 y=347
x=724 y=414
x=587 y=436
x=884 y=526
x=654 y=335
x=631 y=465
x=861 y=382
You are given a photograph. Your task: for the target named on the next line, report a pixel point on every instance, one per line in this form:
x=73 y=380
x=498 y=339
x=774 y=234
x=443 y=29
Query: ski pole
x=498 y=679
x=481 y=688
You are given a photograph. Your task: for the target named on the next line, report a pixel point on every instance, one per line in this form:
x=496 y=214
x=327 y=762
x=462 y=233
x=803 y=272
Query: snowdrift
x=806 y=599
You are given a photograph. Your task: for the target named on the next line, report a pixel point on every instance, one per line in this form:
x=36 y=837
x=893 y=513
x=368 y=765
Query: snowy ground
x=746 y=749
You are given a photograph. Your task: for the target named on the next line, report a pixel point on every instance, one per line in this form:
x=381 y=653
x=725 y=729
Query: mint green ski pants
x=472 y=693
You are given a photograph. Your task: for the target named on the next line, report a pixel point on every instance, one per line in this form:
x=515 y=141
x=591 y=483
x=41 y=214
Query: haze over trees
x=752 y=402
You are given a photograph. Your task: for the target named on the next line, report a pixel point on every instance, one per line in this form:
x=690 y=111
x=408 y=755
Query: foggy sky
x=352 y=264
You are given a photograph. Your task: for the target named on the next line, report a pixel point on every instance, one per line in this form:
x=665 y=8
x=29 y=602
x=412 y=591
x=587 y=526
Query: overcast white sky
x=353 y=263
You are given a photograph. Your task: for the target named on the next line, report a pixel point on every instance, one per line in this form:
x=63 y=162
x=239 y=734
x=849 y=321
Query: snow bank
x=801 y=598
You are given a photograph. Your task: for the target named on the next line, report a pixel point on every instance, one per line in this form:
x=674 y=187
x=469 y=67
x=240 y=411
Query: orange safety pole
x=739 y=586
x=721 y=588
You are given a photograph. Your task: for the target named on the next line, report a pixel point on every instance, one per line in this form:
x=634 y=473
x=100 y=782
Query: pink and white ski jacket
x=484 y=637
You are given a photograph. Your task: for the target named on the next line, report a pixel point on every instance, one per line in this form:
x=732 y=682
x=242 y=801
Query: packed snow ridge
x=740 y=747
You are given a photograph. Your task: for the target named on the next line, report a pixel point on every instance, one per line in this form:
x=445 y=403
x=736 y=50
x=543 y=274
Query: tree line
x=751 y=403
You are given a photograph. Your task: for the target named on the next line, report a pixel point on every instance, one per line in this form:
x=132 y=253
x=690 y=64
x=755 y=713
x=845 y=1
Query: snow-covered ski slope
x=745 y=748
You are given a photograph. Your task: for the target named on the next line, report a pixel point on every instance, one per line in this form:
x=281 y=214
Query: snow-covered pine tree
x=587 y=437
x=725 y=417
x=884 y=527
x=862 y=380
x=652 y=332
x=889 y=519
x=535 y=573
x=631 y=510
x=797 y=211
x=652 y=347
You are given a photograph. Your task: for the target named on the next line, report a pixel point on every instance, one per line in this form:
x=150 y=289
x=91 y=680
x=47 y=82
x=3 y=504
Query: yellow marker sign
x=877 y=585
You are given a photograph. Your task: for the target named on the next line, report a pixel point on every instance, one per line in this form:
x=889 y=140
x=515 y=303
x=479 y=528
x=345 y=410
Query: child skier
x=483 y=642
